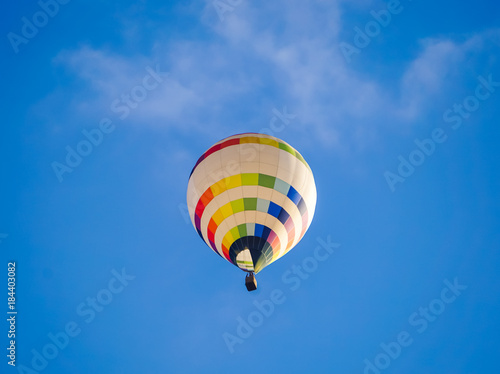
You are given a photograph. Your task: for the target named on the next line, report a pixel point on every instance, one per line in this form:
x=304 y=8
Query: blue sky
x=402 y=137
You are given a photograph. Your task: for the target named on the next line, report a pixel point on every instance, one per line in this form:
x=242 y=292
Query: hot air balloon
x=251 y=198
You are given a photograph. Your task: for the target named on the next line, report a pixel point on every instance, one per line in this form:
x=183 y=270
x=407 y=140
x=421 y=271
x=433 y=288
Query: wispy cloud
x=266 y=56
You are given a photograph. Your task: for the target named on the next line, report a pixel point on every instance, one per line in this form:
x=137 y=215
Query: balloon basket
x=251 y=282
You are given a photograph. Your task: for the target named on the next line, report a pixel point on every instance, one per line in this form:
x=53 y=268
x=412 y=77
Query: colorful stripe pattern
x=274 y=142
x=251 y=205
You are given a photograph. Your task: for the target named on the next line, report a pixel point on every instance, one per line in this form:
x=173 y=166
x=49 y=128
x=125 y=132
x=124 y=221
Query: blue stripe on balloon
x=274 y=209
x=258 y=230
x=283 y=216
x=302 y=206
x=293 y=195
x=266 y=232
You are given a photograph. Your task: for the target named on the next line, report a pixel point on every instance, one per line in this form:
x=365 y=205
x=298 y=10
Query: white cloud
x=279 y=54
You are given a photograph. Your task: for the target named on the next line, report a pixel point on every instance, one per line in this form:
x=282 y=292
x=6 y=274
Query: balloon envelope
x=251 y=198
